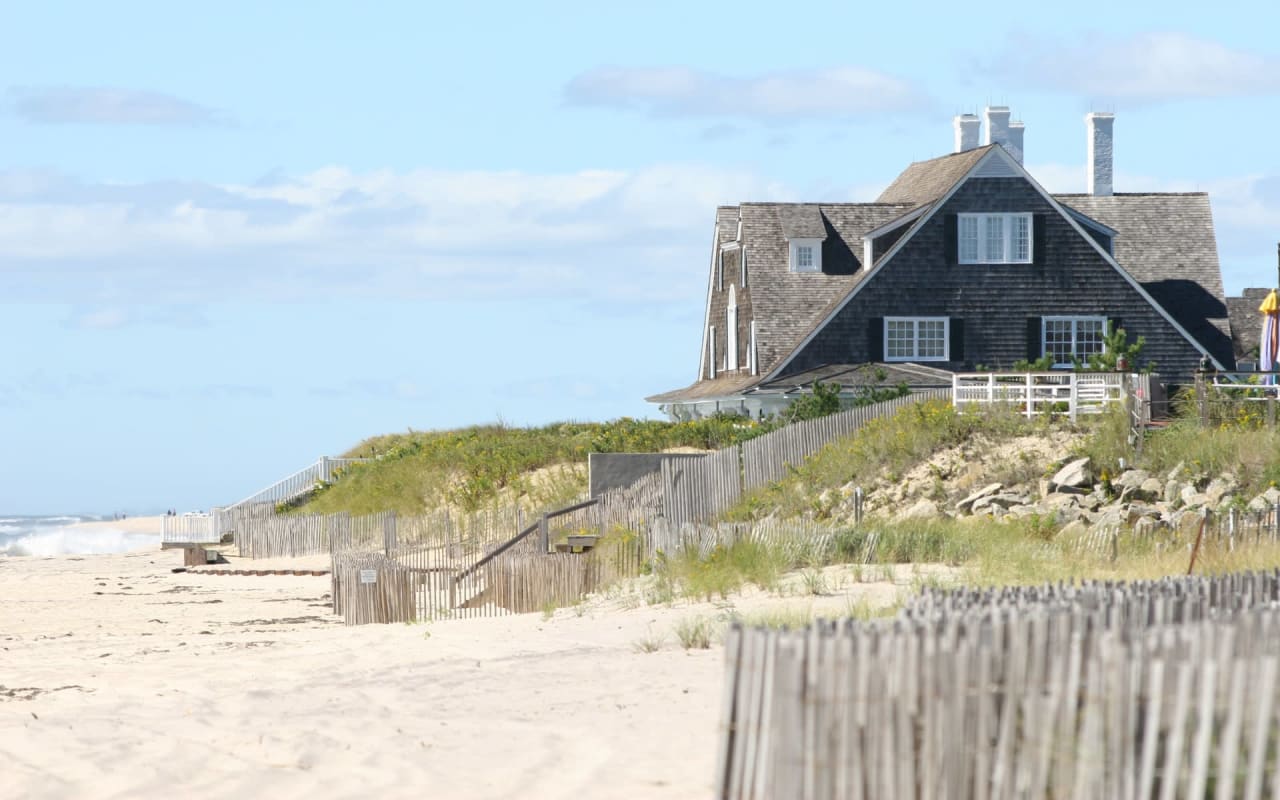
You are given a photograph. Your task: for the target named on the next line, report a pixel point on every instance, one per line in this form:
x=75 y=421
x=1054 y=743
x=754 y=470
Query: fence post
x=1030 y=402
x=1202 y=399
x=543 y=535
x=388 y=533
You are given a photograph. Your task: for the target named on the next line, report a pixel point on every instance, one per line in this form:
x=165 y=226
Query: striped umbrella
x=1269 y=347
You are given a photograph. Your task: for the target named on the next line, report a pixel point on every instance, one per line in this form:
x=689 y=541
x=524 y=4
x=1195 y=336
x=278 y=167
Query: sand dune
x=120 y=678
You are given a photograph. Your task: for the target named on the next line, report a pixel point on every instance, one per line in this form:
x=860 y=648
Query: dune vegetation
x=543 y=466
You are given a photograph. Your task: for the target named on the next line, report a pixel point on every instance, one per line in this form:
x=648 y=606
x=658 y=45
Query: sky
x=236 y=239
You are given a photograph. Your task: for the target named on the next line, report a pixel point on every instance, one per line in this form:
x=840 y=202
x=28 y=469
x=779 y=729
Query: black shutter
x=1038 y=255
x=1114 y=324
x=875 y=339
x=1034 y=344
x=956 y=345
x=951 y=238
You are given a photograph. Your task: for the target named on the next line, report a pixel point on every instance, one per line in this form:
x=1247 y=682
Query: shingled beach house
x=964 y=261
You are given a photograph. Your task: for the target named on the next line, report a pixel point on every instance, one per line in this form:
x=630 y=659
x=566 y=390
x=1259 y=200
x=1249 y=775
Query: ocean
x=54 y=536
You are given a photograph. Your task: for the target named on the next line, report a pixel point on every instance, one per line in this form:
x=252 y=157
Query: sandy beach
x=120 y=678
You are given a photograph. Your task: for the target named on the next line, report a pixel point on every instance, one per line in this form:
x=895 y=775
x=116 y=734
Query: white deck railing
x=1032 y=393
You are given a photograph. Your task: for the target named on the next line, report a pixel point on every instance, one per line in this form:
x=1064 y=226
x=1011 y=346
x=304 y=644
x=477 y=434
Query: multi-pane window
x=915 y=338
x=994 y=238
x=804 y=257
x=1068 y=338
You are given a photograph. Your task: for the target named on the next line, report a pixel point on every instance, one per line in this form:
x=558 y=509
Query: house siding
x=720 y=305
x=995 y=301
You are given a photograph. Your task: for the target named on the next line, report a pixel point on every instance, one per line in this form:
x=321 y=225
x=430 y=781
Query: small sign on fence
x=368 y=576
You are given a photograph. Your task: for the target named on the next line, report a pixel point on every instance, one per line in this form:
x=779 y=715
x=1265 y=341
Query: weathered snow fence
x=1147 y=690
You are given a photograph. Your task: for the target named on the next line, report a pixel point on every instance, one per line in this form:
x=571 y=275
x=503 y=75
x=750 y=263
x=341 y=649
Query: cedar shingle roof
x=727 y=222
x=1166 y=241
x=802 y=222
x=786 y=304
x=926 y=181
x=1246 y=321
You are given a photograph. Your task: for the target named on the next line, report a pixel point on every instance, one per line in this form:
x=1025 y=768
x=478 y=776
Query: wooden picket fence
x=697 y=490
x=1158 y=689
x=459 y=577
x=1227 y=529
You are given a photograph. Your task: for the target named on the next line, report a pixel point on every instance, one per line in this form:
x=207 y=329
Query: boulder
x=1219 y=488
x=921 y=509
x=986 y=491
x=1075 y=475
x=1131 y=478
x=1192 y=499
x=1151 y=489
x=1057 y=502
x=1266 y=500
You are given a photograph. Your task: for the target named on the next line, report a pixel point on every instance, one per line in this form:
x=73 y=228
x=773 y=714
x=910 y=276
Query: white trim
x=982 y=239
x=868 y=251
x=1074 y=319
x=720 y=272
x=706 y=317
x=924 y=220
x=896 y=222
x=815 y=255
x=711 y=356
x=915 y=339
x=742 y=265
x=753 y=358
x=731 y=331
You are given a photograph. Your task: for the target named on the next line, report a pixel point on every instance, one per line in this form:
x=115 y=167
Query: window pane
x=1021 y=239
x=968 y=226
x=901 y=338
x=932 y=341
x=804 y=257
x=1089 y=333
x=995 y=239
x=1057 y=340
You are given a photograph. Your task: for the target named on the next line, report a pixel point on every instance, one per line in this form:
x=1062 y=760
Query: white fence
x=196 y=529
x=299 y=483
x=1071 y=393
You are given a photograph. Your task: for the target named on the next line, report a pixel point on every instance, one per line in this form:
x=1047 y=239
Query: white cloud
x=333 y=233
x=97 y=105
x=1142 y=69
x=681 y=91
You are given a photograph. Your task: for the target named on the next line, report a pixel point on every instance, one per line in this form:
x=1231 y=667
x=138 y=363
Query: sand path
x=122 y=679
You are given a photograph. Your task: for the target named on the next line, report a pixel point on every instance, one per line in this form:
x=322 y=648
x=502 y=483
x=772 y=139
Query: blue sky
x=237 y=239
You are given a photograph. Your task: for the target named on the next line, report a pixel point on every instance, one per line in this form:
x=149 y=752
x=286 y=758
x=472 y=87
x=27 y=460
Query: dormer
x=805 y=231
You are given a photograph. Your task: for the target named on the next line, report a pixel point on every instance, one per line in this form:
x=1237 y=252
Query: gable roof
x=945 y=167
x=1164 y=246
x=1166 y=241
x=926 y=181
x=784 y=303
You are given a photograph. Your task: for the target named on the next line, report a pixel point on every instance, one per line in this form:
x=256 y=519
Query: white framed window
x=1066 y=338
x=806 y=255
x=994 y=238
x=916 y=338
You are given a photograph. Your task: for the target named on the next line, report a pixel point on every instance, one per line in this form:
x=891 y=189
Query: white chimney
x=966 y=131
x=997 y=126
x=1101 y=152
x=1016 y=131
